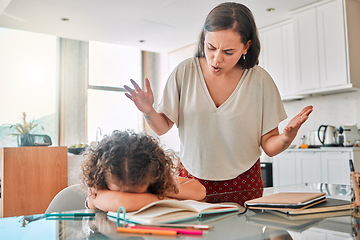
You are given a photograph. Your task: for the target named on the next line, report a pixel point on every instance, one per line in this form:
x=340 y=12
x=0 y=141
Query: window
x=28 y=78
x=110 y=67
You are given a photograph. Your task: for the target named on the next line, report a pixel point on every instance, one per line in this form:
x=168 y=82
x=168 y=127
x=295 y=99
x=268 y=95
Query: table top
x=251 y=225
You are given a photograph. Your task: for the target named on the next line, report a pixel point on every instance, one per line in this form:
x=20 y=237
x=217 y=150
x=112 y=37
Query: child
x=131 y=170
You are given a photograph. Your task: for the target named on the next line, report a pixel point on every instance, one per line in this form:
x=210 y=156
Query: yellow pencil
x=146 y=231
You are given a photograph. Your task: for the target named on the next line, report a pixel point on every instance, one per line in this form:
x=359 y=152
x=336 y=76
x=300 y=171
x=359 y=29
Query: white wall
x=336 y=109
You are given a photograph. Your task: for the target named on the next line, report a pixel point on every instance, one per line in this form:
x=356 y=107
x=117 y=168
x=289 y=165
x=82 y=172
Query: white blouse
x=219 y=143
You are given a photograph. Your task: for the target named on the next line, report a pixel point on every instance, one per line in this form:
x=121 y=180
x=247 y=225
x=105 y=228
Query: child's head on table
x=129 y=162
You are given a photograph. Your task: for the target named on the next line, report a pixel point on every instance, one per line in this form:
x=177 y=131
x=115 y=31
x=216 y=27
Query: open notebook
x=171 y=211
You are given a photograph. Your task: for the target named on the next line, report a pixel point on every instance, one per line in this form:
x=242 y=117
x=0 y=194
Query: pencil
x=178 y=230
x=85 y=214
x=146 y=231
x=172 y=225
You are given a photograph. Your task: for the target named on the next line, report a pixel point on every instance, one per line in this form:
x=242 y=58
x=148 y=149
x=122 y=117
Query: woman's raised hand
x=293 y=126
x=143 y=100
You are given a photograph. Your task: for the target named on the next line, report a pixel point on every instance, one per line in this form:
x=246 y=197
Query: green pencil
x=84 y=214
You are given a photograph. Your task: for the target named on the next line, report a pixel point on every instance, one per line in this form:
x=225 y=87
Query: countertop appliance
x=34 y=140
x=348 y=135
x=312 y=139
x=266 y=173
x=328 y=135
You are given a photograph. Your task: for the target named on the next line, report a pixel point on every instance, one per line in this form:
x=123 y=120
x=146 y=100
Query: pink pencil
x=178 y=230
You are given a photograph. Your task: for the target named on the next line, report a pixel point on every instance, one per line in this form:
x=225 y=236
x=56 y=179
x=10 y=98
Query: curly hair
x=133 y=160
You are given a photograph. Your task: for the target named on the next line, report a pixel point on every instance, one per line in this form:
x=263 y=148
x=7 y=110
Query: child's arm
x=110 y=200
x=189 y=189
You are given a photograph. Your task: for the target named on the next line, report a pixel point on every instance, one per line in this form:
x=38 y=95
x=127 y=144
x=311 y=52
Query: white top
x=219 y=143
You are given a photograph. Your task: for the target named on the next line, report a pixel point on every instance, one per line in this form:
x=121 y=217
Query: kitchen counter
x=325 y=149
x=325 y=164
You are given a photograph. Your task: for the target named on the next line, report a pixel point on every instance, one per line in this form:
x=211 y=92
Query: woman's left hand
x=293 y=126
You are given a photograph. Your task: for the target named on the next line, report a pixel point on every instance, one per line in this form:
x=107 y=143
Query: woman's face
x=223 y=49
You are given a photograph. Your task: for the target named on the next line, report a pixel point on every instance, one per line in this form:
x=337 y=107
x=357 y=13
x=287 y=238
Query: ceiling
x=162 y=25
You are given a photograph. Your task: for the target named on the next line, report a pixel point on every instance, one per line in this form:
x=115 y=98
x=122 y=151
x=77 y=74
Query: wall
x=336 y=109
x=73 y=86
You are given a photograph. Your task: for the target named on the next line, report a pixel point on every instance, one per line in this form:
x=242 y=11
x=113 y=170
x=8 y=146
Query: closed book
x=330 y=208
x=172 y=211
x=286 y=201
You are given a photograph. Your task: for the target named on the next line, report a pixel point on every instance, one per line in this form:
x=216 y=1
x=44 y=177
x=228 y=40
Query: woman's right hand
x=143 y=100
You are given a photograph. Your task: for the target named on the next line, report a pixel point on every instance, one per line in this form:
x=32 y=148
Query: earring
x=244 y=56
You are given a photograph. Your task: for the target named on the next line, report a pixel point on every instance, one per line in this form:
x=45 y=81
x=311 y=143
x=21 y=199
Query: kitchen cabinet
x=278 y=56
x=284 y=169
x=336 y=167
x=306 y=47
x=327 y=47
x=31 y=177
x=308 y=165
x=325 y=165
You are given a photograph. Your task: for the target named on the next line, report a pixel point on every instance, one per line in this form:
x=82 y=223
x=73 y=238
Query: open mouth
x=216 y=69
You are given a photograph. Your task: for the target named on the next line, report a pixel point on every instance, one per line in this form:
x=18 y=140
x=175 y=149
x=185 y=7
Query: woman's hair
x=131 y=160
x=230 y=15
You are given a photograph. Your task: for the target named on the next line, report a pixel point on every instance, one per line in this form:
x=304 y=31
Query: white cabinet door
x=320 y=43
x=332 y=48
x=306 y=46
x=336 y=167
x=272 y=56
x=289 y=77
x=305 y=166
x=284 y=169
x=308 y=165
x=277 y=56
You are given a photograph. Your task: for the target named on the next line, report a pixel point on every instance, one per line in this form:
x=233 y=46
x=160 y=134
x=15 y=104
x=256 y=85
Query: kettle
x=327 y=135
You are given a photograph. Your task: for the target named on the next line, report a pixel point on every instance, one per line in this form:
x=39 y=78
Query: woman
x=226 y=108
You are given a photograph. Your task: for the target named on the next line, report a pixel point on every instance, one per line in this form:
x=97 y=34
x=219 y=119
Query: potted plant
x=23 y=131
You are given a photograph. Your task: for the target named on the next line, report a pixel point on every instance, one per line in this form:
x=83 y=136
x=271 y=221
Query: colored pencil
x=146 y=231
x=178 y=230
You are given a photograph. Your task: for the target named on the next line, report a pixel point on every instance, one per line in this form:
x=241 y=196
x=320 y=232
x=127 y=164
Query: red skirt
x=246 y=186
